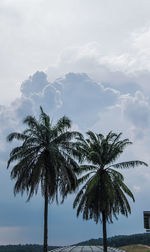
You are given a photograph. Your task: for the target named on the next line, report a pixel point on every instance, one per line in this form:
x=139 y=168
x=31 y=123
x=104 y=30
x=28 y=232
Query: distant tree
x=103 y=194
x=46 y=159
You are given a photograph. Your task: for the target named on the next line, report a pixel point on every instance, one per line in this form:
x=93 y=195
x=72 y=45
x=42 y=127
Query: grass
x=136 y=248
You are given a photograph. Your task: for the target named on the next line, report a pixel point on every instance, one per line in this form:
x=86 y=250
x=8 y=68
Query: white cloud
x=33 y=34
x=137 y=110
x=122 y=71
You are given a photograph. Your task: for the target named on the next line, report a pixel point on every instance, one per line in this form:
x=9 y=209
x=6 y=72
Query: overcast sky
x=89 y=60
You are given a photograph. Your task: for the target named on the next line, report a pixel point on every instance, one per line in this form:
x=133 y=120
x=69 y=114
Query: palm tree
x=103 y=194
x=44 y=159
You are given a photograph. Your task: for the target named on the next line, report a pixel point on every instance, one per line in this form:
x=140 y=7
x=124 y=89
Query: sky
x=88 y=60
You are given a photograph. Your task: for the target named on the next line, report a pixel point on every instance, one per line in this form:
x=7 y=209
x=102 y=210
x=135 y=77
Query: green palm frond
x=86 y=168
x=129 y=164
x=62 y=125
x=31 y=122
x=45 y=157
x=92 y=136
x=114 y=174
x=103 y=187
x=84 y=178
x=44 y=118
x=17 y=136
x=65 y=137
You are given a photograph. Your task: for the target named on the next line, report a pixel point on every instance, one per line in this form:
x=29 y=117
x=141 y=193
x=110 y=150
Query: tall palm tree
x=44 y=159
x=103 y=194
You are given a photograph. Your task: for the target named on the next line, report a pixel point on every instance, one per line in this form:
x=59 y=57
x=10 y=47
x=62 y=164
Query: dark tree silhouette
x=103 y=194
x=46 y=159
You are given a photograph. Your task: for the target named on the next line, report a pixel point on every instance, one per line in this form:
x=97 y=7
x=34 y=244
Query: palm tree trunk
x=104 y=231
x=45 y=220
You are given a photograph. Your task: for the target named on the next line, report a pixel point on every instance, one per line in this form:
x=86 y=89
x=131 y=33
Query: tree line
x=58 y=160
x=116 y=241
x=120 y=240
x=24 y=248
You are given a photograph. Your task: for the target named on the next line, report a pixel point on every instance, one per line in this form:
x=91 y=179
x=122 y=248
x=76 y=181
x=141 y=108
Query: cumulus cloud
x=83 y=99
x=76 y=95
x=40 y=91
x=114 y=70
x=137 y=110
x=127 y=70
x=34 y=84
x=141 y=42
x=90 y=104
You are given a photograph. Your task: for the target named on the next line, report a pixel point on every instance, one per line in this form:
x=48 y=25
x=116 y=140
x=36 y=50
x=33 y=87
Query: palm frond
x=129 y=164
x=92 y=136
x=62 y=125
x=103 y=187
x=17 y=136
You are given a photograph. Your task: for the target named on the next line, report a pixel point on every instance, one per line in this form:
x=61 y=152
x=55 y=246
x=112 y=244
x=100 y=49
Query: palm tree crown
x=45 y=158
x=103 y=194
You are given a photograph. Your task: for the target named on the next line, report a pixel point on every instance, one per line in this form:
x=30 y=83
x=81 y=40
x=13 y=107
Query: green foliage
x=120 y=240
x=116 y=241
x=45 y=159
x=103 y=195
x=24 y=248
x=104 y=189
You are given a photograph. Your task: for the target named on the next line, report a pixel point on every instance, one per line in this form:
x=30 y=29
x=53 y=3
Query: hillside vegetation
x=121 y=240
x=127 y=242
x=136 y=248
x=24 y=248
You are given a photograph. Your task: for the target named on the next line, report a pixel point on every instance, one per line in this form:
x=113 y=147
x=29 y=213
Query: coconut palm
x=103 y=194
x=45 y=159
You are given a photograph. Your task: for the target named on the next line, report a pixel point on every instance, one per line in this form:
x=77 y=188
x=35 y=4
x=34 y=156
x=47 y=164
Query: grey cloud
x=11 y=116
x=142 y=78
x=125 y=87
x=24 y=107
x=139 y=115
x=137 y=110
x=49 y=99
x=34 y=84
x=83 y=99
x=75 y=95
x=39 y=92
x=111 y=71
